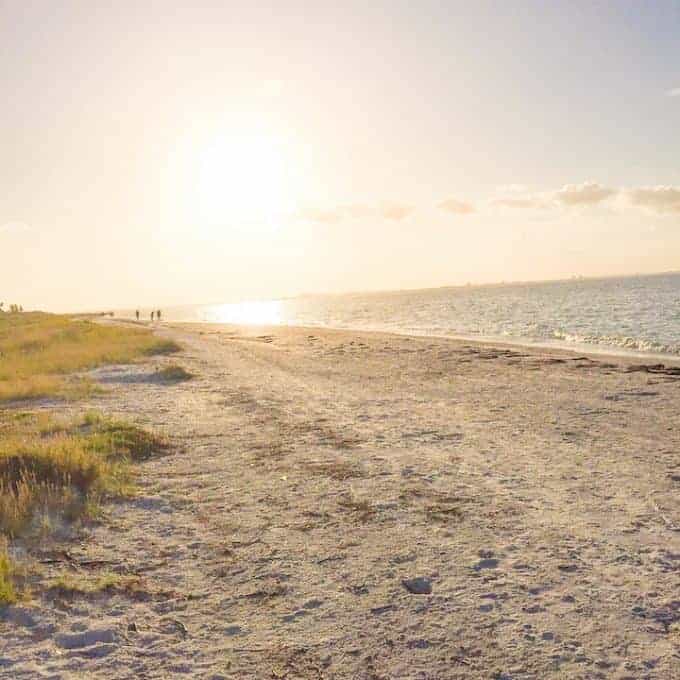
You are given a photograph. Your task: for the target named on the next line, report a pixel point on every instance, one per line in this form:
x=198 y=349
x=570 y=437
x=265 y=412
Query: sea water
x=637 y=314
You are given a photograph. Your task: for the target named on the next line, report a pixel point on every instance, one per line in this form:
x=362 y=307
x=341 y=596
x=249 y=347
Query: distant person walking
x=137 y=314
x=152 y=317
x=158 y=314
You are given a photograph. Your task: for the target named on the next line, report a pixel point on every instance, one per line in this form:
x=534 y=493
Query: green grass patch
x=38 y=350
x=52 y=470
x=120 y=440
x=8 y=594
x=57 y=469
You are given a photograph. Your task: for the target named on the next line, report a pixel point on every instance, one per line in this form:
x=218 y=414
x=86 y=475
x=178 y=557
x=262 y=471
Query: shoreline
x=606 y=352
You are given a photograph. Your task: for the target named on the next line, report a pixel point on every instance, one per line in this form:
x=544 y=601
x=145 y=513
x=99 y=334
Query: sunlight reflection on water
x=639 y=314
x=257 y=313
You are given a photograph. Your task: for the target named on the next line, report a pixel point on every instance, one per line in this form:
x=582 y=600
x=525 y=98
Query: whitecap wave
x=627 y=343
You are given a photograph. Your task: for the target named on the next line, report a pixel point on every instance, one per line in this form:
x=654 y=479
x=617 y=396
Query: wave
x=618 y=342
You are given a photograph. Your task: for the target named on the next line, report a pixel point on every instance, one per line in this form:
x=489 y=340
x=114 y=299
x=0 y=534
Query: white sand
x=315 y=470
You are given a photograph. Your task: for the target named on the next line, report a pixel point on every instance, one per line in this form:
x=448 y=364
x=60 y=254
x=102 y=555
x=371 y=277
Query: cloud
x=395 y=211
x=527 y=202
x=453 y=205
x=675 y=92
x=662 y=199
x=14 y=228
x=331 y=216
x=356 y=211
x=588 y=193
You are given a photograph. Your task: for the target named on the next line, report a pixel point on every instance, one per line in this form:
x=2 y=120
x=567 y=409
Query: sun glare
x=240 y=183
x=257 y=312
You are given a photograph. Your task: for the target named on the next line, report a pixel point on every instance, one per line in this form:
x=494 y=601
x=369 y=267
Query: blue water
x=638 y=314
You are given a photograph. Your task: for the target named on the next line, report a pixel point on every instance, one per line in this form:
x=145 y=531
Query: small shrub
x=174 y=373
x=162 y=346
x=71 y=586
x=116 y=440
x=68 y=585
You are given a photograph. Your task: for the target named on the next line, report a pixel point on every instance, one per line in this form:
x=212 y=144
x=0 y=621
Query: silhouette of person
x=158 y=314
x=137 y=314
x=152 y=317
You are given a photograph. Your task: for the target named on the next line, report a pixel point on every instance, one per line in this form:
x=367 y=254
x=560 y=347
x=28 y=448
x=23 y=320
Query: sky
x=161 y=153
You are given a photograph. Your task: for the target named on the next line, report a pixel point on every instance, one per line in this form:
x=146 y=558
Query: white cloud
x=356 y=211
x=395 y=211
x=661 y=199
x=525 y=202
x=588 y=193
x=453 y=205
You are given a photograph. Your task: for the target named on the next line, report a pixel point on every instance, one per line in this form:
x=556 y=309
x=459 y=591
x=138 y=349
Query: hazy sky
x=167 y=152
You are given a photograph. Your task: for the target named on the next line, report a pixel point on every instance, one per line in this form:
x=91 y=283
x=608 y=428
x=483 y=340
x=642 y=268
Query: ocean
x=628 y=315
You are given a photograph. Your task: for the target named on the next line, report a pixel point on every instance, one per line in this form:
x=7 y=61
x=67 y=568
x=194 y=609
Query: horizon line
x=378 y=291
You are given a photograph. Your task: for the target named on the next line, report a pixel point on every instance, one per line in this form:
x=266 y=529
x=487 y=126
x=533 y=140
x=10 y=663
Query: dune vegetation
x=55 y=470
x=38 y=351
x=174 y=373
x=7 y=590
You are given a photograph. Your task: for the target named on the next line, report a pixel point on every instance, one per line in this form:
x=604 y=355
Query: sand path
x=536 y=493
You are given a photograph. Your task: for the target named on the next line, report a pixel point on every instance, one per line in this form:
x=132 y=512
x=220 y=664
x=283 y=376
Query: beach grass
x=39 y=350
x=174 y=373
x=8 y=594
x=69 y=585
x=57 y=470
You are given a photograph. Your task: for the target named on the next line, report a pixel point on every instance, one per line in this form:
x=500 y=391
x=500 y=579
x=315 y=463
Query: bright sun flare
x=241 y=183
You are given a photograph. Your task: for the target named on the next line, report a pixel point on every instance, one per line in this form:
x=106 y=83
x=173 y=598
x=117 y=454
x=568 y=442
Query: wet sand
x=318 y=477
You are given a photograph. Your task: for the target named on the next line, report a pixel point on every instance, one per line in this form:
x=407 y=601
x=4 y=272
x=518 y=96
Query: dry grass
x=8 y=593
x=69 y=586
x=37 y=350
x=56 y=469
x=174 y=373
x=120 y=440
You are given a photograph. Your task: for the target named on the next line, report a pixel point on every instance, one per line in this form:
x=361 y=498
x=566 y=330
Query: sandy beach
x=362 y=505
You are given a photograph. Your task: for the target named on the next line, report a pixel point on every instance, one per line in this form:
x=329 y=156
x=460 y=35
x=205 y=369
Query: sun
x=240 y=183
